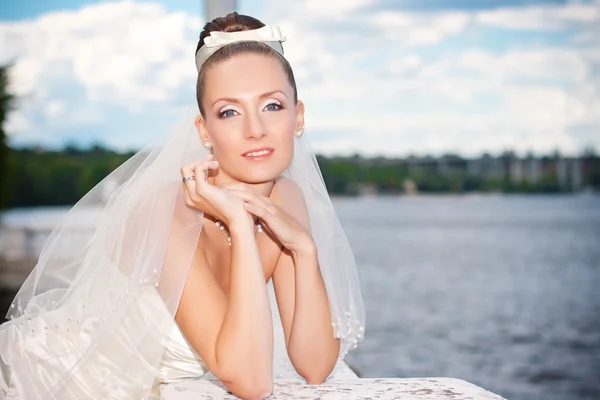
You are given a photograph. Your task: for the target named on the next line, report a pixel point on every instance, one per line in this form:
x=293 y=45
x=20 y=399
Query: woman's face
x=250 y=118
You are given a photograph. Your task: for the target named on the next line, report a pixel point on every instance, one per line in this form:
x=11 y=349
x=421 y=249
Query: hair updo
x=234 y=22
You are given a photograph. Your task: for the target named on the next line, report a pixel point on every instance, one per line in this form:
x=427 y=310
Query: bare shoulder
x=287 y=191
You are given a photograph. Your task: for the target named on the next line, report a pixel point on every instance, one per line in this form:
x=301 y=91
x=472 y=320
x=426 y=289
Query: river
x=501 y=291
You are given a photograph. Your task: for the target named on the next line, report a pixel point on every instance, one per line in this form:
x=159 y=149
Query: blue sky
x=389 y=77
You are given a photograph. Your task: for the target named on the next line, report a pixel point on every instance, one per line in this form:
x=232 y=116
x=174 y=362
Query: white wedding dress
x=95 y=321
x=38 y=350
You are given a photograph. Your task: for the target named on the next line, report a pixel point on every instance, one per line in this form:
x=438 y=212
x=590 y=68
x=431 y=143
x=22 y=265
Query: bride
x=218 y=252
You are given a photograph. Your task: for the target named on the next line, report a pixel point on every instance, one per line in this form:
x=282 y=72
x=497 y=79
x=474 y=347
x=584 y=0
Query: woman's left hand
x=290 y=233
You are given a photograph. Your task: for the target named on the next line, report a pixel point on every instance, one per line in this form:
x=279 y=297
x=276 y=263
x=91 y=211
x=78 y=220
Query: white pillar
x=218 y=8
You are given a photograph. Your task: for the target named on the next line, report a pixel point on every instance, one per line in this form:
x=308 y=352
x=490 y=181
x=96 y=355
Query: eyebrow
x=234 y=100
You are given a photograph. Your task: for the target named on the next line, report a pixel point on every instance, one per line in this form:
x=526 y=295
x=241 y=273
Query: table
x=334 y=389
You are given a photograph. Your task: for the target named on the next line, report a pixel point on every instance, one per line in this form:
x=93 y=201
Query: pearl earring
x=300 y=131
x=207 y=144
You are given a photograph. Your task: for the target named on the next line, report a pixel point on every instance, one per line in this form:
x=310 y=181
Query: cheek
x=283 y=129
x=224 y=138
x=286 y=146
x=221 y=140
x=282 y=125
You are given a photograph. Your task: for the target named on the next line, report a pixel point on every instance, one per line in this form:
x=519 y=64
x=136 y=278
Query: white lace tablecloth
x=379 y=389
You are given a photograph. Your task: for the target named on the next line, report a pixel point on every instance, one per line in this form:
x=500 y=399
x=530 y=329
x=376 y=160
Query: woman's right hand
x=203 y=196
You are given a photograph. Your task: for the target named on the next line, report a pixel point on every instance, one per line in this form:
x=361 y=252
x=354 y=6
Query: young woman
x=175 y=280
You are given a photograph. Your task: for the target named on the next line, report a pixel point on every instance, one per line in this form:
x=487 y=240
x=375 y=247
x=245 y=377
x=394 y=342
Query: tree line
x=34 y=176
x=61 y=177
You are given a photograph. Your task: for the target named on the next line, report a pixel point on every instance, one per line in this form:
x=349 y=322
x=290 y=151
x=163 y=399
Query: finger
x=190 y=167
x=256 y=199
x=190 y=185
x=205 y=165
x=259 y=211
x=199 y=171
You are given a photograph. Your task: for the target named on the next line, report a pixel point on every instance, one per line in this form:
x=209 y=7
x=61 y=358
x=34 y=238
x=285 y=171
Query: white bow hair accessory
x=269 y=35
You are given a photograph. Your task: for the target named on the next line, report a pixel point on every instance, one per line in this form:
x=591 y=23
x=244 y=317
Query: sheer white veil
x=118 y=286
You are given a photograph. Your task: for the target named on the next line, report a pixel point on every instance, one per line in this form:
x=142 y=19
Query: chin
x=262 y=173
x=256 y=177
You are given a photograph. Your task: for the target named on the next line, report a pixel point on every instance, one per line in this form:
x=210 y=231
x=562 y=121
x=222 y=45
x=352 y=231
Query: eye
x=273 y=106
x=227 y=113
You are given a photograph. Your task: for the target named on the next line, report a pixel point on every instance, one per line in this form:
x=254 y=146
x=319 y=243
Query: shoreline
x=583 y=194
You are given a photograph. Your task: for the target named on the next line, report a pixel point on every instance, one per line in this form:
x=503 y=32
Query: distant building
x=533 y=170
x=486 y=166
x=562 y=173
x=448 y=164
x=569 y=174
x=576 y=174
x=516 y=171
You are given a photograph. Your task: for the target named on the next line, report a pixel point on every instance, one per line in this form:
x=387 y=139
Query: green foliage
x=40 y=177
x=58 y=177
x=6 y=104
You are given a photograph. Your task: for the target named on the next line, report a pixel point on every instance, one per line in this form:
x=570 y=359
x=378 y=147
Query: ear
x=202 y=131
x=299 y=115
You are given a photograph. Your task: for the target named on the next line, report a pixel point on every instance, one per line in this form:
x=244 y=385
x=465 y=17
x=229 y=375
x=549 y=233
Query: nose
x=255 y=127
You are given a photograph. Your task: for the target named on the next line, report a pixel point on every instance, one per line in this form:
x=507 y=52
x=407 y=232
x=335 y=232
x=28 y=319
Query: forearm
x=313 y=349
x=245 y=342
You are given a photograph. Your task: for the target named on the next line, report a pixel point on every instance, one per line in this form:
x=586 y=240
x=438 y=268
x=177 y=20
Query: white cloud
x=543 y=17
x=16 y=122
x=122 y=53
x=374 y=85
x=414 y=29
x=560 y=64
x=25 y=75
x=520 y=116
x=373 y=80
x=333 y=8
x=54 y=109
x=405 y=65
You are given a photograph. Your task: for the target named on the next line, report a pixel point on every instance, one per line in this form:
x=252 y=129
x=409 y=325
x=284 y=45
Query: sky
x=378 y=77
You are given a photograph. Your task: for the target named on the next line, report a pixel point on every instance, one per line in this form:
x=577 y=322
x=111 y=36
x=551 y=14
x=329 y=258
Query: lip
x=257 y=158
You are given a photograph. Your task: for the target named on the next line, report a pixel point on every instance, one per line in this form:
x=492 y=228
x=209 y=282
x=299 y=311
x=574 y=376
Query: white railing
x=21 y=242
x=24 y=232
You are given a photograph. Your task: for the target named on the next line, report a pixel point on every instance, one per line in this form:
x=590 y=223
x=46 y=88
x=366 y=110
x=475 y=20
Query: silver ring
x=189 y=178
